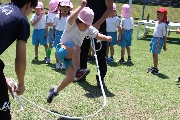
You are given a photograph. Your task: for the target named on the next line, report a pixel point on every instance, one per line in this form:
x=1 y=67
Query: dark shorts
x=4 y=97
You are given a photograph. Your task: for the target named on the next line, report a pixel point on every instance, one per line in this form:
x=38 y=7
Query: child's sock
x=49 y=52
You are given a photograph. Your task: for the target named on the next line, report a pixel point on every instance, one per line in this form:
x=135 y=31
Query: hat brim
x=53 y=10
x=85 y=22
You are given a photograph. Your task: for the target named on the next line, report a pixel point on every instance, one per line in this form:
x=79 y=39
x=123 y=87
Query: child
x=53 y=11
x=59 y=25
x=113 y=23
x=38 y=21
x=78 y=25
x=159 y=38
x=125 y=38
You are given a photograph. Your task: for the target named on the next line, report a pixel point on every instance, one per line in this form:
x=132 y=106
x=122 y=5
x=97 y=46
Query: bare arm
x=109 y=5
x=75 y=13
x=164 y=46
x=34 y=23
x=103 y=37
x=20 y=64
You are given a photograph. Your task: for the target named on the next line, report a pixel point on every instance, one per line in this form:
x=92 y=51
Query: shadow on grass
x=93 y=91
x=62 y=118
x=113 y=64
x=161 y=75
x=53 y=66
x=38 y=62
x=129 y=64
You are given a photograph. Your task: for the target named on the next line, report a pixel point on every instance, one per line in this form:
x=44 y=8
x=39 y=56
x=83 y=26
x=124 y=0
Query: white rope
x=59 y=115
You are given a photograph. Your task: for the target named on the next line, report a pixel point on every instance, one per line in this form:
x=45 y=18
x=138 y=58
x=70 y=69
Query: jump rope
x=13 y=83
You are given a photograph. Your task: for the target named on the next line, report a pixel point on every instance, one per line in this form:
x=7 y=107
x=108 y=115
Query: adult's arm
x=20 y=65
x=109 y=5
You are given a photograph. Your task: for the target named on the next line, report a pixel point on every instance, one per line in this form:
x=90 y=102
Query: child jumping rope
x=125 y=39
x=159 y=38
x=38 y=21
x=59 y=25
x=78 y=26
x=53 y=11
x=113 y=23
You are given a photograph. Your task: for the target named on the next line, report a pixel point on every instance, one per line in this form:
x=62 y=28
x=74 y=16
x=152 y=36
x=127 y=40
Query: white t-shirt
x=41 y=24
x=60 y=23
x=50 y=18
x=72 y=34
x=127 y=23
x=160 y=30
x=112 y=23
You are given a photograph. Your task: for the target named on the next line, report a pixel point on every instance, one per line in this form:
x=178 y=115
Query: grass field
x=131 y=92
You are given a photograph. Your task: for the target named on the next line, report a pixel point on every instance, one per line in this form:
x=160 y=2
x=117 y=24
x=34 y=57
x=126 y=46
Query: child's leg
x=112 y=50
x=107 y=51
x=128 y=51
x=155 y=60
x=122 y=52
x=57 y=60
x=74 y=53
x=69 y=78
x=36 y=50
x=46 y=47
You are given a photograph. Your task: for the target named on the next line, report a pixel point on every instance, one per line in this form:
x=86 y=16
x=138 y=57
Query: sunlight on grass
x=132 y=92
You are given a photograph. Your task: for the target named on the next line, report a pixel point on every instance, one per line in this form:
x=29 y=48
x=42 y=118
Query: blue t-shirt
x=14 y=25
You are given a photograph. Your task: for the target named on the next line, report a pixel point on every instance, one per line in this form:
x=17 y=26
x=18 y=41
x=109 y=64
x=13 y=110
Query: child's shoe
x=155 y=71
x=47 y=60
x=57 y=66
x=35 y=58
x=109 y=60
x=121 y=61
x=51 y=95
x=150 y=69
x=62 y=67
x=81 y=73
x=129 y=59
x=89 y=59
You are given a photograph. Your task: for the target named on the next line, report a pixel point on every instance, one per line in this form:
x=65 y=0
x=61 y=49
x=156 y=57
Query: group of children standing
x=49 y=28
x=67 y=31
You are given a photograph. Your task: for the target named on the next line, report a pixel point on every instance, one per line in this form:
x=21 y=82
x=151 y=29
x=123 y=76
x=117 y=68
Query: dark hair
x=78 y=21
x=21 y=3
x=60 y=11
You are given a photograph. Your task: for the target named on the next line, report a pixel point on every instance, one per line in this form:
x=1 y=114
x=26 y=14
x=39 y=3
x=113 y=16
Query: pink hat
x=114 y=6
x=65 y=3
x=126 y=11
x=40 y=5
x=86 y=15
x=53 y=5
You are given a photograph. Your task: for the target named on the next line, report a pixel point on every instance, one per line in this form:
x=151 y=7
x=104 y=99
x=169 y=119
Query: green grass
x=131 y=94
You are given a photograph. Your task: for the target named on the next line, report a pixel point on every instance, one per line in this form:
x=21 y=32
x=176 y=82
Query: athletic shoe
x=155 y=71
x=81 y=73
x=47 y=60
x=109 y=60
x=62 y=67
x=129 y=59
x=35 y=58
x=51 y=95
x=57 y=66
x=121 y=61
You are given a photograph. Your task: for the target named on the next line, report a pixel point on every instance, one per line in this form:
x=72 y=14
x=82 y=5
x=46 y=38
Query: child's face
x=38 y=11
x=113 y=13
x=160 y=16
x=64 y=9
x=83 y=26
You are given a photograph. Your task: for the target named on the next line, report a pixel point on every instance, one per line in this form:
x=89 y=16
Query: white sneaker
x=57 y=66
